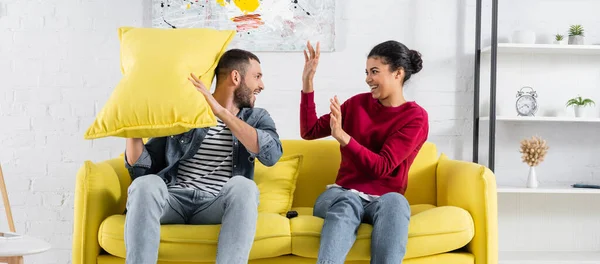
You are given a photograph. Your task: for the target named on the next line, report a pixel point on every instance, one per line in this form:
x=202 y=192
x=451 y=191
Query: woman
x=380 y=133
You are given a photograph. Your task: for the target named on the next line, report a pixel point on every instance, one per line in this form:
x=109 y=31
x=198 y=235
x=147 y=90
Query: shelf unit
x=529 y=219
x=510 y=48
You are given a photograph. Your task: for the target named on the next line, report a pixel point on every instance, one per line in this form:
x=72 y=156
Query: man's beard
x=242 y=96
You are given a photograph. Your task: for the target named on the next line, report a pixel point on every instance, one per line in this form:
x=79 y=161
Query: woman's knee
x=394 y=202
x=336 y=197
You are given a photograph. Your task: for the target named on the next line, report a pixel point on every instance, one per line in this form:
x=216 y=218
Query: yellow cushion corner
x=277 y=184
x=154 y=97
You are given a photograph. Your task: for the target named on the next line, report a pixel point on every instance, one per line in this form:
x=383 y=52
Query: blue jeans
x=151 y=203
x=344 y=211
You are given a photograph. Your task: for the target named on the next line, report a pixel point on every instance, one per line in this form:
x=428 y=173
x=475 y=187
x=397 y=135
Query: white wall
x=59 y=61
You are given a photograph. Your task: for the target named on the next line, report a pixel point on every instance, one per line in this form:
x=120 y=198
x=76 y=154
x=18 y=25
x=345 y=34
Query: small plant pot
x=576 y=40
x=578 y=110
x=562 y=42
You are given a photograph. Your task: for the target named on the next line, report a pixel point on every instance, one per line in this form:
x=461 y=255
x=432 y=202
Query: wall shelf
x=543 y=119
x=547 y=189
x=544 y=49
x=582 y=257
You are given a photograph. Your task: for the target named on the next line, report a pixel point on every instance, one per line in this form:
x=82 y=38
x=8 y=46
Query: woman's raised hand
x=311 y=61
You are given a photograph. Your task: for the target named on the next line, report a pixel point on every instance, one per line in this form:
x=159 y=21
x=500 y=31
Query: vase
x=532 y=181
x=576 y=40
x=577 y=109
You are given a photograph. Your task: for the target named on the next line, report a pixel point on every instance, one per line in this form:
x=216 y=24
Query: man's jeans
x=344 y=211
x=151 y=204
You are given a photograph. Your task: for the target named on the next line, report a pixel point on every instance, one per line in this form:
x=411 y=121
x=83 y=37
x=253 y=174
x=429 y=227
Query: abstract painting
x=261 y=25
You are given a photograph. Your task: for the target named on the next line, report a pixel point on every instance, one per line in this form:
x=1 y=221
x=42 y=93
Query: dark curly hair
x=397 y=55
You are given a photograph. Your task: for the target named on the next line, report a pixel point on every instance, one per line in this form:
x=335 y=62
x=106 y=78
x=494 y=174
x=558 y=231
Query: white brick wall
x=59 y=64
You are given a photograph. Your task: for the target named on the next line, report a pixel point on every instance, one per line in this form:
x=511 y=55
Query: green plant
x=580 y=101
x=559 y=37
x=576 y=30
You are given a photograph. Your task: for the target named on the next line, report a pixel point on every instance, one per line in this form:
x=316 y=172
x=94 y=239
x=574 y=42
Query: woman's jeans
x=344 y=211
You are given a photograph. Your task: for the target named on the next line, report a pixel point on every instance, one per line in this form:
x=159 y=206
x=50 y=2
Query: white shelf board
x=527 y=257
x=545 y=189
x=545 y=49
x=543 y=119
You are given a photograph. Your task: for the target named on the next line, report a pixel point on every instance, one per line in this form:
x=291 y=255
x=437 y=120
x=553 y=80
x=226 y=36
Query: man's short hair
x=234 y=59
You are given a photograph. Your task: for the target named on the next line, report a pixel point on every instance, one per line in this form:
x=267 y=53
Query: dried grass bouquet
x=534 y=150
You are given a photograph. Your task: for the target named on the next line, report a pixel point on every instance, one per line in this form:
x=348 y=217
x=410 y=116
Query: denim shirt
x=161 y=155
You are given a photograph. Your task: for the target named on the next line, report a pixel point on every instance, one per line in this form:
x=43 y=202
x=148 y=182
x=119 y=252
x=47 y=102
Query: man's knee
x=242 y=189
x=148 y=186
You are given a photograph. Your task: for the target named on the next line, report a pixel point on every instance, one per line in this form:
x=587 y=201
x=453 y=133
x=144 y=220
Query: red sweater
x=384 y=141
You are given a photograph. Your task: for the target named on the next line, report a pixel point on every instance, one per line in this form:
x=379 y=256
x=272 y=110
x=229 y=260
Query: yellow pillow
x=154 y=97
x=277 y=184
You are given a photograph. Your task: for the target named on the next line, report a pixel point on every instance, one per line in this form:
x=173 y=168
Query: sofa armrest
x=472 y=187
x=98 y=194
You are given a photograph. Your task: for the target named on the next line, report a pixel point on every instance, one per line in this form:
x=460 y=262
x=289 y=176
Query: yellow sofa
x=453 y=208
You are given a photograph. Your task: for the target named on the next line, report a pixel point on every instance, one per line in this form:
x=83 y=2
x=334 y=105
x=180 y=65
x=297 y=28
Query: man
x=204 y=176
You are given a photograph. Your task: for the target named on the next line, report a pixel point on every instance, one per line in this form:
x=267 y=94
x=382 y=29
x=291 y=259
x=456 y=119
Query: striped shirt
x=211 y=167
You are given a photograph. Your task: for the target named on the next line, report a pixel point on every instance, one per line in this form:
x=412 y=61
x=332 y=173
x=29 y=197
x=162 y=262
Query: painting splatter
x=261 y=25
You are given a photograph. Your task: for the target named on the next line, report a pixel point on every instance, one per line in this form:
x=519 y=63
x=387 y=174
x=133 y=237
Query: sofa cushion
x=199 y=242
x=419 y=208
x=154 y=97
x=277 y=184
x=432 y=231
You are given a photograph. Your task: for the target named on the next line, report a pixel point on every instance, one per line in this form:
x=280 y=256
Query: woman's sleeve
x=311 y=126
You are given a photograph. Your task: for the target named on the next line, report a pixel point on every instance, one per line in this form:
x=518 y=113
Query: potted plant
x=576 y=35
x=578 y=103
x=560 y=39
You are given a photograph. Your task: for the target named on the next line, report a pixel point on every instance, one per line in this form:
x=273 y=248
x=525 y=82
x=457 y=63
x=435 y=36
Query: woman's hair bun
x=416 y=61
